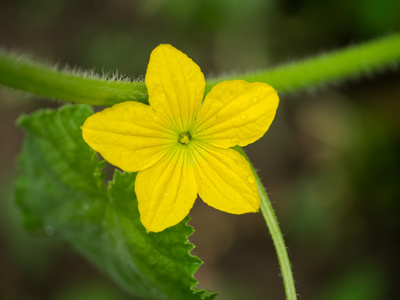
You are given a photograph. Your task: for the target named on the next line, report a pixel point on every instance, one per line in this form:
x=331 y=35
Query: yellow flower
x=180 y=146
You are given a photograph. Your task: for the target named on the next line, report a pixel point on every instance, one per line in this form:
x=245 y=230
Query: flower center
x=184 y=138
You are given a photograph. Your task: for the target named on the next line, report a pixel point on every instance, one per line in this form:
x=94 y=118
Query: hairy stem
x=354 y=61
x=25 y=75
x=326 y=68
x=276 y=234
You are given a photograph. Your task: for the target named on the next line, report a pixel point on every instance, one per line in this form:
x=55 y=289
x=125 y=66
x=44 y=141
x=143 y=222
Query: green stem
x=327 y=68
x=273 y=226
x=25 y=75
x=42 y=80
x=276 y=234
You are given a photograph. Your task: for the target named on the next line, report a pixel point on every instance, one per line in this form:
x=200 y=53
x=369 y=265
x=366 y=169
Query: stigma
x=184 y=138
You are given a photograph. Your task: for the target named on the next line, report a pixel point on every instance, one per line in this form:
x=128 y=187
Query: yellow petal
x=225 y=180
x=167 y=190
x=175 y=85
x=129 y=135
x=236 y=113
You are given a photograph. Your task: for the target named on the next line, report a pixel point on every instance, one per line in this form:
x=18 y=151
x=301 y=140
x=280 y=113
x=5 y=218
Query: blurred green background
x=330 y=160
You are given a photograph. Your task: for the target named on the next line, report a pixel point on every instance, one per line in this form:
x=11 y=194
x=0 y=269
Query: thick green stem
x=352 y=62
x=276 y=234
x=42 y=80
x=22 y=74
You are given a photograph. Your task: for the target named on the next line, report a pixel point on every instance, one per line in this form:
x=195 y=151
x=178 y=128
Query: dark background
x=330 y=160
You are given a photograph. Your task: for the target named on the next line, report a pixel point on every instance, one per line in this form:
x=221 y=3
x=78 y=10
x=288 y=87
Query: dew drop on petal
x=251 y=179
x=243 y=116
x=218 y=103
x=254 y=99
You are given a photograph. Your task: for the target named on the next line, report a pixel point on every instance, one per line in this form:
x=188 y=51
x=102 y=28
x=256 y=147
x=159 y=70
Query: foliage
x=62 y=190
x=62 y=186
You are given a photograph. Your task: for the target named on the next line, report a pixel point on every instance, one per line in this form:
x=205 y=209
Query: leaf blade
x=62 y=187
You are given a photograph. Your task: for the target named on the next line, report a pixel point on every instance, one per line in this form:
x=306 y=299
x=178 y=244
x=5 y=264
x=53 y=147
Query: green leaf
x=62 y=190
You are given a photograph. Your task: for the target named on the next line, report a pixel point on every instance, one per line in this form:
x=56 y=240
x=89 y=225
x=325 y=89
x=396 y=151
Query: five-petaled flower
x=181 y=146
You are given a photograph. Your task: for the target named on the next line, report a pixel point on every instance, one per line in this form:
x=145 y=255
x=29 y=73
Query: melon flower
x=180 y=145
